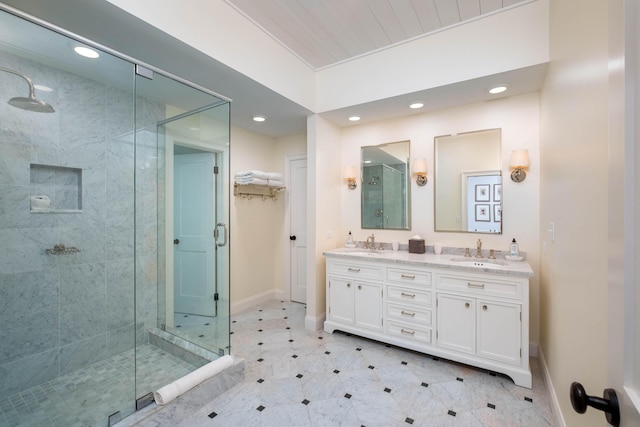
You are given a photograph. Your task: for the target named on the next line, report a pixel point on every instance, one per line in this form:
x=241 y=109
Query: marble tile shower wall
x=62 y=313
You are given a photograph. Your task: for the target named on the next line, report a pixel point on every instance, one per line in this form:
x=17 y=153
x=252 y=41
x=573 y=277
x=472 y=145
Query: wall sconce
x=519 y=162
x=420 y=170
x=350 y=176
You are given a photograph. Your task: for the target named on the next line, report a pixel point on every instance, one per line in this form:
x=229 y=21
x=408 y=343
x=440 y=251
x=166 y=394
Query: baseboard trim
x=555 y=404
x=314 y=323
x=254 y=300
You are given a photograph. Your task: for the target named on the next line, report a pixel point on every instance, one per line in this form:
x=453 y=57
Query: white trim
x=254 y=300
x=314 y=323
x=556 y=412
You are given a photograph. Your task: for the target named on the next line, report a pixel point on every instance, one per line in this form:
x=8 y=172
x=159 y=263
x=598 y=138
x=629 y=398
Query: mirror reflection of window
x=385 y=186
x=468 y=182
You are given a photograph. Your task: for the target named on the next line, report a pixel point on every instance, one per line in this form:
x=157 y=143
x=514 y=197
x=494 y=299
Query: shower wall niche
x=55 y=189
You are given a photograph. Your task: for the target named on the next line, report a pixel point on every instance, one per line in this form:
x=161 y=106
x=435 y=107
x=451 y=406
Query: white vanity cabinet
x=473 y=316
x=354 y=295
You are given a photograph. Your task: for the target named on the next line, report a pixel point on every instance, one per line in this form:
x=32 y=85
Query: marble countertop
x=499 y=266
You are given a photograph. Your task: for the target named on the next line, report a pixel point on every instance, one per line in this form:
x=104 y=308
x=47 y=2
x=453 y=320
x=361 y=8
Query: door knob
x=608 y=403
x=176 y=241
x=292 y=237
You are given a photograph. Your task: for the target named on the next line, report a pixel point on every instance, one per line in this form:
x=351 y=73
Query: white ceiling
x=326 y=32
x=347 y=29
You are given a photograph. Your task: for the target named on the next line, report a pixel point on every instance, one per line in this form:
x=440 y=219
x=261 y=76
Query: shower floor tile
x=295 y=377
x=104 y=387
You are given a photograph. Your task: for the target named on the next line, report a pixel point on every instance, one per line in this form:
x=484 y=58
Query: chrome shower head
x=30 y=103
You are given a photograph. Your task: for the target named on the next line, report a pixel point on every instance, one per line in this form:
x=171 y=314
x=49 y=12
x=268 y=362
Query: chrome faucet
x=371 y=242
x=479 y=249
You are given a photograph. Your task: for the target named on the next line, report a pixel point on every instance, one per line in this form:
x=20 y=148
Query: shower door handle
x=216 y=234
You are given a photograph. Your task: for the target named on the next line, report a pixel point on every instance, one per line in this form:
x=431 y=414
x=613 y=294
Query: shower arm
x=32 y=90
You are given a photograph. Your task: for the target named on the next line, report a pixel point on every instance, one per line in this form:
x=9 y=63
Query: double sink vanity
x=470 y=310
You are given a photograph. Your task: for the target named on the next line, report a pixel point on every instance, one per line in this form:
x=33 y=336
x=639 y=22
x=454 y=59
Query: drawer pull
x=408 y=276
x=404 y=294
x=475 y=285
x=355 y=270
x=404 y=331
x=406 y=313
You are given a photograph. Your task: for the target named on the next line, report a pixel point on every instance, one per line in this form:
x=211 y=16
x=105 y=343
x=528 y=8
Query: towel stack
x=272 y=179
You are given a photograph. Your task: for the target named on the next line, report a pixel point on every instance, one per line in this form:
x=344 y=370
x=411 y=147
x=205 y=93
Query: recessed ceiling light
x=43 y=88
x=497 y=89
x=86 y=52
x=416 y=105
x=354 y=118
x=259 y=118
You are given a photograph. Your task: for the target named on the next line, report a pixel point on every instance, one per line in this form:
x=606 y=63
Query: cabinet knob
x=348 y=285
x=608 y=403
x=484 y=307
x=466 y=305
x=359 y=286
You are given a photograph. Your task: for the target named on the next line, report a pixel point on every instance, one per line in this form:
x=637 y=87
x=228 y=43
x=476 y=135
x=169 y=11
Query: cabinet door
x=499 y=327
x=368 y=305
x=456 y=323
x=341 y=300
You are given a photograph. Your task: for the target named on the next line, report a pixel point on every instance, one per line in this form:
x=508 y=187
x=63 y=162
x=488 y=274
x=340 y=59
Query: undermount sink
x=364 y=253
x=479 y=262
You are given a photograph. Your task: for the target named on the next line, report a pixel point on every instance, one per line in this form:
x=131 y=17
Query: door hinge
x=215 y=170
x=216 y=297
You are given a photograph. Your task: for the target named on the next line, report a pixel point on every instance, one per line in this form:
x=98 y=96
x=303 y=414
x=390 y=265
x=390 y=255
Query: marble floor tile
x=301 y=378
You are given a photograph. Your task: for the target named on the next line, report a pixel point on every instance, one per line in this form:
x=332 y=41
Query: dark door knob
x=292 y=237
x=608 y=403
x=176 y=241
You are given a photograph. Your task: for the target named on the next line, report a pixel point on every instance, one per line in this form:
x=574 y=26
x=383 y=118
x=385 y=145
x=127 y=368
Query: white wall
x=574 y=196
x=518 y=117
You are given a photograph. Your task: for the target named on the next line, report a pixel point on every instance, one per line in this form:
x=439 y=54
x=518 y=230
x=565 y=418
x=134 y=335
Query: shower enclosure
x=88 y=286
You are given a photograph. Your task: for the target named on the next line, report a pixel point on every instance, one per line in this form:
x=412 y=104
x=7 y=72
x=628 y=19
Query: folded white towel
x=275 y=183
x=259 y=174
x=257 y=181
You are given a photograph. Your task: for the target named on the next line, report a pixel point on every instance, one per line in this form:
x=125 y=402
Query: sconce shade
x=420 y=166
x=519 y=159
x=349 y=172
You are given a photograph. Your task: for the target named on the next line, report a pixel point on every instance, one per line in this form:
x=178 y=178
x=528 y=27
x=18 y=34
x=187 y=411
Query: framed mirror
x=468 y=182
x=385 y=187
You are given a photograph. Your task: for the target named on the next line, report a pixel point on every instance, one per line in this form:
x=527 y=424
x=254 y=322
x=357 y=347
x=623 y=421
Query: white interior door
x=298 y=228
x=194 y=223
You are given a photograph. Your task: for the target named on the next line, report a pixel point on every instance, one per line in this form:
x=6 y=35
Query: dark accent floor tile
x=260 y=408
x=370 y=367
x=261 y=360
x=348 y=396
x=305 y=402
x=327 y=352
x=299 y=376
x=459 y=379
x=290 y=340
x=212 y=415
x=408 y=420
x=200 y=336
x=403 y=363
x=424 y=385
x=528 y=399
x=260 y=380
x=295 y=356
x=387 y=389
x=260 y=343
x=452 y=413
x=335 y=371
x=491 y=405
x=358 y=349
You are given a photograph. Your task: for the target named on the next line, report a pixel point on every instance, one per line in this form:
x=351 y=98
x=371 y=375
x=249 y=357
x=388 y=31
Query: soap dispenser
x=350 y=239
x=514 y=251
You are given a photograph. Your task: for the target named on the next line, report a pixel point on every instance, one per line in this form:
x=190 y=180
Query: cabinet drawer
x=421 y=335
x=409 y=315
x=409 y=276
x=481 y=286
x=405 y=294
x=355 y=270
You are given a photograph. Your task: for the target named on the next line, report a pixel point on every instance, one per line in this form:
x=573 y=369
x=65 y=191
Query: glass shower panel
x=66 y=223
x=182 y=139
